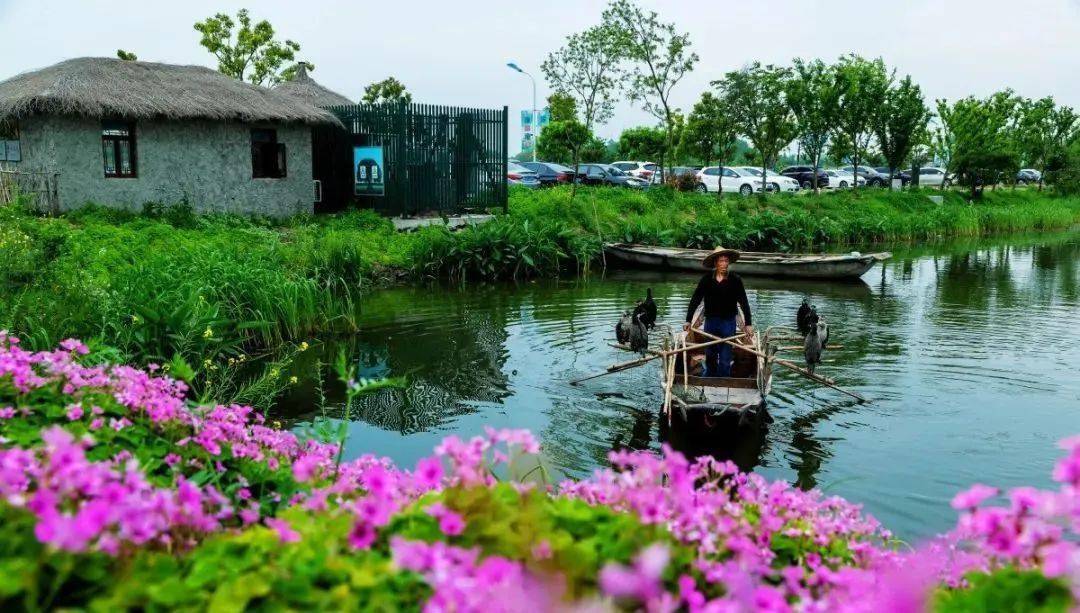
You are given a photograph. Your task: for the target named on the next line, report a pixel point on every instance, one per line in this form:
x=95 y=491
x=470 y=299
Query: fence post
x=505 y=159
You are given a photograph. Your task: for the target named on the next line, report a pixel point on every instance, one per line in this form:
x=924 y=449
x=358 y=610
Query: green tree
x=900 y=122
x=564 y=140
x=814 y=98
x=863 y=86
x=981 y=138
x=756 y=98
x=586 y=68
x=562 y=106
x=642 y=143
x=252 y=55
x=127 y=56
x=1044 y=132
x=387 y=90
x=659 y=58
x=710 y=133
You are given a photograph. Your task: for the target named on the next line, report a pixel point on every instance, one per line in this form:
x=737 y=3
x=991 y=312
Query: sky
x=455 y=53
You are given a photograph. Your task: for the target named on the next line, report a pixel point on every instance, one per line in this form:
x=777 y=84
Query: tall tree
x=587 y=69
x=642 y=143
x=252 y=55
x=756 y=98
x=863 y=86
x=387 y=90
x=562 y=106
x=710 y=134
x=1044 y=132
x=899 y=122
x=814 y=97
x=561 y=139
x=983 y=145
x=659 y=58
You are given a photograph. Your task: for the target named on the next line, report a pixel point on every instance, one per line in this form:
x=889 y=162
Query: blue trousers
x=718 y=357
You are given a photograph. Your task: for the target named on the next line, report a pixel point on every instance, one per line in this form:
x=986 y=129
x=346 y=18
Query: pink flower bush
x=730 y=541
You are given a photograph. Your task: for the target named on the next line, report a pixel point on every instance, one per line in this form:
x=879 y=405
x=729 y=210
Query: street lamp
x=535 y=121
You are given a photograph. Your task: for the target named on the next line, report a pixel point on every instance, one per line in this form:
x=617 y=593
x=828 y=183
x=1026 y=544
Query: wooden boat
x=801 y=265
x=709 y=401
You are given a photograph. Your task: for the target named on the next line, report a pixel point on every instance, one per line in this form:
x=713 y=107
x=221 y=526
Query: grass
x=170 y=287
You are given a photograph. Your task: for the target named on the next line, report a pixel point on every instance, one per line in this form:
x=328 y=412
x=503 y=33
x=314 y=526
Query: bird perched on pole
x=639 y=335
x=622 y=329
x=813 y=345
x=647 y=309
x=802 y=317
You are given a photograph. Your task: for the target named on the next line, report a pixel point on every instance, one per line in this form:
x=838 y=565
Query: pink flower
x=7 y=412
x=973 y=496
x=362 y=535
x=285 y=532
x=428 y=473
x=74 y=412
x=640 y=582
x=450 y=522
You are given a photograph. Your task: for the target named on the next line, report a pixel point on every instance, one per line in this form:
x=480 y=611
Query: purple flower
x=285 y=532
x=973 y=496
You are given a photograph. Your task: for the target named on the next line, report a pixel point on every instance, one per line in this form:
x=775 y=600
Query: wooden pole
x=790 y=366
x=657 y=355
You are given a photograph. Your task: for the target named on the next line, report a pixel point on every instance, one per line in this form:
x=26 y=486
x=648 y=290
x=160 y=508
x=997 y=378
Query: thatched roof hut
x=109 y=87
x=303 y=87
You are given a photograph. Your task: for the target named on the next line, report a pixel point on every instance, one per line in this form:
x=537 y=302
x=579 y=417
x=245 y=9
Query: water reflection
x=968 y=350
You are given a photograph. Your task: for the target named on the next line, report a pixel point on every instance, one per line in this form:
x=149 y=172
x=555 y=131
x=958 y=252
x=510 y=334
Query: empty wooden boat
x=750 y=263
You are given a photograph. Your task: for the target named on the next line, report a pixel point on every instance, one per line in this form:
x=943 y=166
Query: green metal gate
x=439 y=159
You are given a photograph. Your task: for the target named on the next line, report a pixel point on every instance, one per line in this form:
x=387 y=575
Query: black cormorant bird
x=622 y=329
x=647 y=309
x=802 y=318
x=813 y=344
x=639 y=335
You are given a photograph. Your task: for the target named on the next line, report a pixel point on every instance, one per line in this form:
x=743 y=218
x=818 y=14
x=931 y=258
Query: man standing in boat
x=723 y=293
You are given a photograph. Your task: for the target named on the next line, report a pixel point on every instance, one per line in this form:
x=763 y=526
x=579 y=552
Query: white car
x=931 y=176
x=641 y=170
x=712 y=179
x=774 y=183
x=842 y=179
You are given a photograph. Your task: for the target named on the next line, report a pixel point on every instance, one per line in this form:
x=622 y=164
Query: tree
x=127 y=56
x=710 y=133
x=981 y=137
x=562 y=138
x=387 y=90
x=863 y=85
x=642 y=143
x=756 y=98
x=1044 y=132
x=253 y=55
x=814 y=97
x=562 y=106
x=586 y=69
x=660 y=57
x=900 y=122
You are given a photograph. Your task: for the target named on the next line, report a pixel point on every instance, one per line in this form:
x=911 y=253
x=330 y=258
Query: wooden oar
x=790 y=366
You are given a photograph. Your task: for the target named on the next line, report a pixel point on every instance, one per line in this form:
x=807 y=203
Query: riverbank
x=117 y=494
x=207 y=293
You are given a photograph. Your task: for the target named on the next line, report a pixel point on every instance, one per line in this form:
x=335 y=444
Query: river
x=969 y=351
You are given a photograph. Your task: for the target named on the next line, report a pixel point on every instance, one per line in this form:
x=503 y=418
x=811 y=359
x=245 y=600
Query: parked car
x=1028 y=175
x=805 y=176
x=516 y=174
x=873 y=177
x=774 y=182
x=712 y=180
x=932 y=176
x=641 y=170
x=549 y=173
x=904 y=176
x=842 y=179
x=681 y=177
x=607 y=174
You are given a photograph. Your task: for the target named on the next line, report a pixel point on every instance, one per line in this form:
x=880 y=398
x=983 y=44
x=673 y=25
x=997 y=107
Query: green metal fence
x=435 y=158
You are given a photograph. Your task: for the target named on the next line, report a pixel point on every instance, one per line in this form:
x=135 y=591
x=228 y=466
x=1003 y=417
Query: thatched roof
x=303 y=87
x=109 y=87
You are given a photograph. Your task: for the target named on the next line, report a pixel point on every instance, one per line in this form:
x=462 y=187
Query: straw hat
x=710 y=260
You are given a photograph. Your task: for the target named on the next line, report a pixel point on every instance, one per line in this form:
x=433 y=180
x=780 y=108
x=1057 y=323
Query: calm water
x=969 y=352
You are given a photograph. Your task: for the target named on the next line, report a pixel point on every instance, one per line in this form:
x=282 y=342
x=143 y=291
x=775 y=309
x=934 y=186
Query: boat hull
x=804 y=266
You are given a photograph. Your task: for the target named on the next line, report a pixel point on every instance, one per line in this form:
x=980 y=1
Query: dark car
x=903 y=175
x=550 y=173
x=805 y=176
x=606 y=174
x=873 y=177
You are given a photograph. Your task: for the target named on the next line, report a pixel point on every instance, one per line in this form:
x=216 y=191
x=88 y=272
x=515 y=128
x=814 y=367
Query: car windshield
x=751 y=171
x=558 y=167
x=650 y=167
x=512 y=167
x=613 y=171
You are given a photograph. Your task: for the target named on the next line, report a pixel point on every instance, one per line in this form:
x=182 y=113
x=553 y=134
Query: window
x=118 y=149
x=10 y=150
x=730 y=173
x=711 y=172
x=650 y=167
x=267 y=155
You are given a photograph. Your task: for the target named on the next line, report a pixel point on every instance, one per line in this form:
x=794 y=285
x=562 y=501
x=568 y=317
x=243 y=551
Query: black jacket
x=721 y=299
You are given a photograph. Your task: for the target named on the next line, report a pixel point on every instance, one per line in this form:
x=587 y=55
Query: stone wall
x=205 y=164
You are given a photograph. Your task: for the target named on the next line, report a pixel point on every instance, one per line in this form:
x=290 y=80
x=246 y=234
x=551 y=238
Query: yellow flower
x=135 y=319
x=303 y=346
x=274 y=372
x=206 y=362
x=242 y=358
x=293 y=380
x=232 y=361
x=208 y=332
